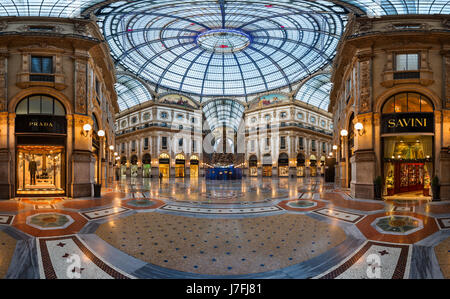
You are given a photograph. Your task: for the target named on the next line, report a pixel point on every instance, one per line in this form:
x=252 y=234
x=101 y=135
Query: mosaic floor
x=254 y=228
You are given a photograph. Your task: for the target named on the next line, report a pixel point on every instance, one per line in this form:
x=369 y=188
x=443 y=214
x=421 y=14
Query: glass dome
x=222 y=48
x=130 y=92
x=316 y=91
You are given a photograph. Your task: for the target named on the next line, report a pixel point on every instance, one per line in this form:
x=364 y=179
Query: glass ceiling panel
x=316 y=91
x=130 y=92
x=223 y=111
x=197 y=45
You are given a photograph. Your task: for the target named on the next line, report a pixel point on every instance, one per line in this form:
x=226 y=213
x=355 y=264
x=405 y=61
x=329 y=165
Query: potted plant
x=435 y=188
x=426 y=185
x=390 y=184
x=377 y=186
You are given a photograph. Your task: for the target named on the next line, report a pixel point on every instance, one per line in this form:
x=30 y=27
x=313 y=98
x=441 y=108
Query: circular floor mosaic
x=141 y=203
x=221 y=246
x=302 y=204
x=49 y=221
x=398 y=224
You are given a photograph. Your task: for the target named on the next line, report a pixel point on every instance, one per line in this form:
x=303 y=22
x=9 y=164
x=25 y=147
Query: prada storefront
x=40 y=130
x=407 y=130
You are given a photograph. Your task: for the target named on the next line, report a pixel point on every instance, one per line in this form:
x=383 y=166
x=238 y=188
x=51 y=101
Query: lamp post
x=98 y=186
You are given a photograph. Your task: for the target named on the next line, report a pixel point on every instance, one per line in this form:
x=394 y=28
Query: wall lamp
x=344 y=133
x=111 y=147
x=86 y=129
x=101 y=133
x=360 y=128
x=335 y=147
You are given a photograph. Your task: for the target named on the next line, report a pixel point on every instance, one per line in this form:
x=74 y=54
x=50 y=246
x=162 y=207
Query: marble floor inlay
x=221 y=246
x=251 y=228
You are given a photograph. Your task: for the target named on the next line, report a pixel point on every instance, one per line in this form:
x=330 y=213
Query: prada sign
x=41 y=124
x=407 y=122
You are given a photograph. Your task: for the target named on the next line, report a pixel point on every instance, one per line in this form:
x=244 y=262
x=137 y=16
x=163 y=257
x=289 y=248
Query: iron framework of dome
x=223 y=111
x=218 y=48
x=221 y=48
x=316 y=91
x=130 y=92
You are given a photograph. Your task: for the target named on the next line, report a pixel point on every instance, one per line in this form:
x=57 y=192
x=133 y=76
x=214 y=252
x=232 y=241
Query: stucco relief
x=365 y=104
x=80 y=90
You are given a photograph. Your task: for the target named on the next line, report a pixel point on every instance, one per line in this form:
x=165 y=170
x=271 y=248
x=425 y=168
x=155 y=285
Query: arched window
x=40 y=104
x=407 y=102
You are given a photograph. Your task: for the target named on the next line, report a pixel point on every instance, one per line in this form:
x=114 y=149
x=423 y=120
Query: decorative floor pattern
x=69 y=258
x=48 y=224
x=256 y=227
x=373 y=260
x=221 y=246
x=143 y=203
x=221 y=211
x=103 y=213
x=340 y=215
x=299 y=206
x=6 y=219
x=7 y=246
x=444 y=223
x=337 y=200
x=442 y=252
x=366 y=227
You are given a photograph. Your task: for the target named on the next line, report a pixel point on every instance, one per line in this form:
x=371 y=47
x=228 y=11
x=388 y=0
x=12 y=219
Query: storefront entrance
x=146 y=166
x=267 y=166
x=408 y=164
x=300 y=165
x=40 y=169
x=193 y=165
x=313 y=166
x=164 y=165
x=180 y=163
x=283 y=165
x=253 y=165
x=407 y=128
x=41 y=129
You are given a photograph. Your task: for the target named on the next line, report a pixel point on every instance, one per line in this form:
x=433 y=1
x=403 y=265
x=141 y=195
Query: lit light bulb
x=359 y=126
x=335 y=147
x=111 y=147
x=344 y=133
x=87 y=127
x=101 y=133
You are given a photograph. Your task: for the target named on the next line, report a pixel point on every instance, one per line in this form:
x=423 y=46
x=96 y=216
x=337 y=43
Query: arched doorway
x=164 y=165
x=300 y=165
x=134 y=166
x=283 y=165
x=193 y=165
x=312 y=166
x=322 y=165
x=146 y=166
x=123 y=167
x=41 y=130
x=253 y=165
x=267 y=165
x=407 y=133
x=180 y=163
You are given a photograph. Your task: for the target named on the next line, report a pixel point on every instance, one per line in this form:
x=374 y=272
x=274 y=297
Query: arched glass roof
x=45 y=8
x=75 y=8
x=130 y=92
x=316 y=91
x=223 y=111
x=222 y=48
x=219 y=47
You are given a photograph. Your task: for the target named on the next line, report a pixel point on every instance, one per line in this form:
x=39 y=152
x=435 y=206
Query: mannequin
x=32 y=169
